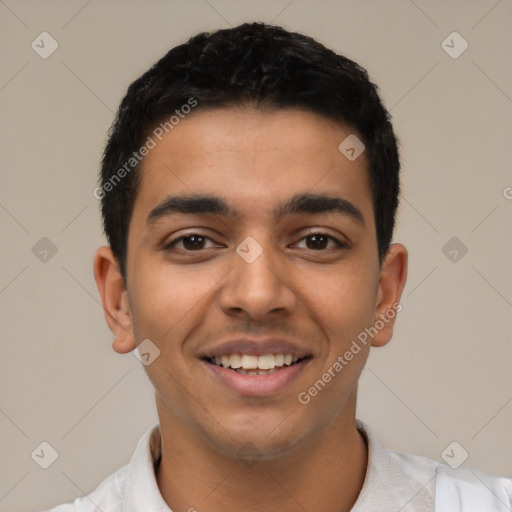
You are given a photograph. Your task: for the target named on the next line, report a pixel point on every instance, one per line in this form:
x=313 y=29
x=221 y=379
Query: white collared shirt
x=395 y=482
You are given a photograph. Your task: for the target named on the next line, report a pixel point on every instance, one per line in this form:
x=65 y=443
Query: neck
x=326 y=474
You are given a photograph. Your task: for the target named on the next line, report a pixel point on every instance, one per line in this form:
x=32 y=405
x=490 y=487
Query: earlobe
x=114 y=297
x=393 y=275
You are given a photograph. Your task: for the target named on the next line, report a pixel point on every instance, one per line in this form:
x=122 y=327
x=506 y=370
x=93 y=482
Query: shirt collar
x=393 y=481
x=141 y=491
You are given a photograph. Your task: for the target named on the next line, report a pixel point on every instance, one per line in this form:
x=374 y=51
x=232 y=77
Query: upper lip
x=255 y=347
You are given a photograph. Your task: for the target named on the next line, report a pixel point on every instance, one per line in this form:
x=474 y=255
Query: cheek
x=345 y=307
x=344 y=299
x=165 y=299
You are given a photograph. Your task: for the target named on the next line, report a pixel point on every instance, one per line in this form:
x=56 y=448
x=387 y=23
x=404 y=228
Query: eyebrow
x=210 y=204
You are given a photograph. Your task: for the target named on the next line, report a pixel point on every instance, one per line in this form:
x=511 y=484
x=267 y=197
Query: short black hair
x=251 y=64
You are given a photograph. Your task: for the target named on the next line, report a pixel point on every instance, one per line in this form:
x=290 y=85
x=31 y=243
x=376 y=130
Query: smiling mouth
x=246 y=364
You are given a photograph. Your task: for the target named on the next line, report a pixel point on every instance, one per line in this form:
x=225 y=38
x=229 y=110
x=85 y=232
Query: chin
x=261 y=437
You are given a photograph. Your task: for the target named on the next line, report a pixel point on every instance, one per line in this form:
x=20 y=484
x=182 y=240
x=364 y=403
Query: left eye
x=319 y=241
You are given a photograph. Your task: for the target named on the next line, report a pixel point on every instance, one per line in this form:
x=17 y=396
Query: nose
x=257 y=289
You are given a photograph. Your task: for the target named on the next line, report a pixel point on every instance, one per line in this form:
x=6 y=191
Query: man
x=249 y=189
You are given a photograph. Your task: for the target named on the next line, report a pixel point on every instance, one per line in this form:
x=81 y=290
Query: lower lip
x=257 y=385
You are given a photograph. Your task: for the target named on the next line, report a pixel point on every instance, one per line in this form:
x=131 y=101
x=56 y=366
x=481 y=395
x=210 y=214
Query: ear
x=114 y=297
x=393 y=274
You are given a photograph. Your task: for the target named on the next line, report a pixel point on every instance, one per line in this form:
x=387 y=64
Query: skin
x=307 y=457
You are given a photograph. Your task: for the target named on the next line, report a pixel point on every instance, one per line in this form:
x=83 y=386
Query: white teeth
x=249 y=362
x=279 y=359
x=265 y=362
x=235 y=361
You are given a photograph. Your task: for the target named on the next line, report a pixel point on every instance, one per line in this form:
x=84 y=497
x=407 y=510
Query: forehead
x=255 y=158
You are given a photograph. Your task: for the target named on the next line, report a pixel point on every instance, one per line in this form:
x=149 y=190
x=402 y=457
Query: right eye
x=192 y=242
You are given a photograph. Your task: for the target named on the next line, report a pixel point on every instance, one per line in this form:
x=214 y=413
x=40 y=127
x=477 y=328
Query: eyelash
x=171 y=245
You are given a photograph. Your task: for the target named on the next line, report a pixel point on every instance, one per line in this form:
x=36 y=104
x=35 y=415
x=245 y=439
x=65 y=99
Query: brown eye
x=193 y=242
x=320 y=241
x=317 y=241
x=189 y=243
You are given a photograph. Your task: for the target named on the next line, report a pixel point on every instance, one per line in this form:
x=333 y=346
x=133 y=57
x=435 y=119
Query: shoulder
x=434 y=485
x=460 y=490
x=472 y=489
x=108 y=495
x=129 y=486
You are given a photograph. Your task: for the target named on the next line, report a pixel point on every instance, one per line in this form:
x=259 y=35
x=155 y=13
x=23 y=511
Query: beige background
x=446 y=375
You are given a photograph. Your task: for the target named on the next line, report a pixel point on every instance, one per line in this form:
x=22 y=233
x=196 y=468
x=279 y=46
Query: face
x=253 y=292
